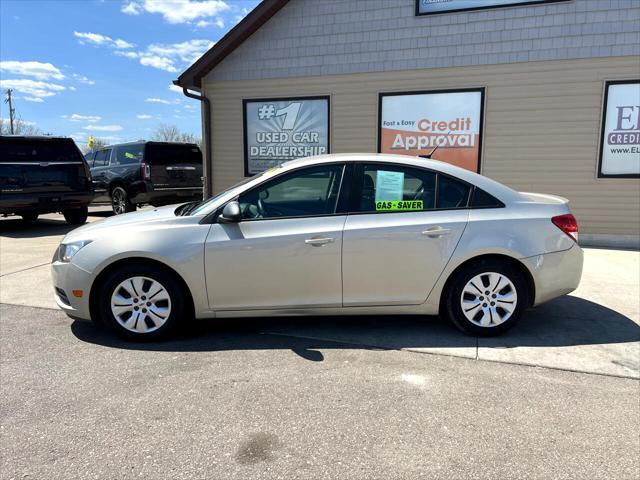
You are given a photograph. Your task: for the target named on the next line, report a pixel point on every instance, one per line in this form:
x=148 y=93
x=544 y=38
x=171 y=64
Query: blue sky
x=104 y=67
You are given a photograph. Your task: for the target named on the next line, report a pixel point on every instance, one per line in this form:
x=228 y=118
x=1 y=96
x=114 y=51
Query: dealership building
x=543 y=96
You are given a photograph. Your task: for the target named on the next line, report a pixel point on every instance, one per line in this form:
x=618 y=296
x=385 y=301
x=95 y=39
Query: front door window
x=307 y=192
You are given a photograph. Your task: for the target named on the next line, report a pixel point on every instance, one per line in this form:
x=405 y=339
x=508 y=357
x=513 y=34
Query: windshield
x=202 y=207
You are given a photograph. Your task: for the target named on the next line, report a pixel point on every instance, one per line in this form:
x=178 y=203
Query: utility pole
x=12 y=111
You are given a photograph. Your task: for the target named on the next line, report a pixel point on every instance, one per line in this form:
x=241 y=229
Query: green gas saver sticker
x=399 y=205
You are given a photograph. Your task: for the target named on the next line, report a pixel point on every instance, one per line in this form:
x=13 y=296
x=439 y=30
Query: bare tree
x=20 y=127
x=170 y=133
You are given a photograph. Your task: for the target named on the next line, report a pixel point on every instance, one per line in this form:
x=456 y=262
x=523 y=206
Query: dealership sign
x=279 y=130
x=443 y=125
x=620 y=139
x=427 y=7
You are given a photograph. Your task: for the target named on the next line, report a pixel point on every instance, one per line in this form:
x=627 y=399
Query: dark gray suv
x=157 y=173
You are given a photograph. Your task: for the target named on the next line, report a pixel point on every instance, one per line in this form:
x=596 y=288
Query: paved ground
x=318 y=397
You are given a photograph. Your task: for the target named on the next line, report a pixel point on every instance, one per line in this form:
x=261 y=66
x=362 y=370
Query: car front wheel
x=141 y=303
x=486 y=298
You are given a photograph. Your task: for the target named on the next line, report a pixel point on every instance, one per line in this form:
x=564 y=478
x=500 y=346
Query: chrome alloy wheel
x=488 y=299
x=118 y=201
x=141 y=304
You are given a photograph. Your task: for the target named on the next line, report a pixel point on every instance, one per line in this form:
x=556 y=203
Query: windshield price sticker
x=399 y=205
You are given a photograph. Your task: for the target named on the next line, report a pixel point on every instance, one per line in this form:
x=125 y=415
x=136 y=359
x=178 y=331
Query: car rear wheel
x=486 y=298
x=77 y=216
x=120 y=202
x=141 y=303
x=29 y=217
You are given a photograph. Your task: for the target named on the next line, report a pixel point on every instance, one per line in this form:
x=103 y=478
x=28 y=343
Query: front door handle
x=319 y=241
x=436 y=232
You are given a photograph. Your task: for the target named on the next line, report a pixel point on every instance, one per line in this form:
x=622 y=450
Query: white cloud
x=169 y=57
x=178 y=11
x=103 y=128
x=102 y=40
x=190 y=107
x=128 y=54
x=161 y=63
x=39 y=70
x=32 y=88
x=33 y=99
x=75 y=117
x=175 y=88
x=203 y=23
x=131 y=9
x=158 y=100
x=25 y=122
x=83 y=79
x=144 y=116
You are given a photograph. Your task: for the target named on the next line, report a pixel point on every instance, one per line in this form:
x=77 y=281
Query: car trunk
x=41 y=166
x=174 y=165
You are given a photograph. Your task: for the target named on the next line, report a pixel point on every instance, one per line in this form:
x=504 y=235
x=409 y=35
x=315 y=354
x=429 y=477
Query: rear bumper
x=17 y=204
x=168 y=195
x=556 y=273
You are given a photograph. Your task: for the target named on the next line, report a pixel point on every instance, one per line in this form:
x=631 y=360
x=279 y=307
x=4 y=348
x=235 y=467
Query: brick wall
x=324 y=37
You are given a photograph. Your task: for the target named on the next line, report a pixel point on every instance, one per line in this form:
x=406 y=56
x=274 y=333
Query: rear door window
x=129 y=154
x=452 y=193
x=395 y=188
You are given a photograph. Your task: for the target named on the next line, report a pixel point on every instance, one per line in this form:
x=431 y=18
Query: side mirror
x=230 y=213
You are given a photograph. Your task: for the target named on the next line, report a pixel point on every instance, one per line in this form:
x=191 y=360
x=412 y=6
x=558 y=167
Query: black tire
x=120 y=202
x=452 y=306
x=77 y=216
x=174 y=289
x=29 y=218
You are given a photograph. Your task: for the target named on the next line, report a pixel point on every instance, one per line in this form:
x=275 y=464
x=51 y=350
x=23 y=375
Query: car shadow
x=50 y=225
x=566 y=321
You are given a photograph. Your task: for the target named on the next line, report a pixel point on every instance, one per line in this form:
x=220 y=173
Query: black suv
x=158 y=173
x=43 y=175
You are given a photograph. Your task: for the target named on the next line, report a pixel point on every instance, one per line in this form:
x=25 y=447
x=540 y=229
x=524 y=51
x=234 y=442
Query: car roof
x=497 y=189
x=155 y=142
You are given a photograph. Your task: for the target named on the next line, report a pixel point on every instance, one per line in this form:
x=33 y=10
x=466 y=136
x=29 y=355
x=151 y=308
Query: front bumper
x=66 y=277
x=556 y=273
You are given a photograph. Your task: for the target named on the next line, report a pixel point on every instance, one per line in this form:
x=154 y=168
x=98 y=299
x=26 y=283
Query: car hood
x=122 y=223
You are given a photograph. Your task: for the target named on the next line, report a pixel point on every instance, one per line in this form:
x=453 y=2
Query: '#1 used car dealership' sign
x=620 y=141
x=279 y=130
x=445 y=123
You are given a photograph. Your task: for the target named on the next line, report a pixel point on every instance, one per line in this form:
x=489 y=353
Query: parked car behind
x=43 y=175
x=158 y=173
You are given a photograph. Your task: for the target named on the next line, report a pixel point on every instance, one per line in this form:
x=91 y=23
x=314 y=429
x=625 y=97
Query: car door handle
x=436 y=232
x=319 y=241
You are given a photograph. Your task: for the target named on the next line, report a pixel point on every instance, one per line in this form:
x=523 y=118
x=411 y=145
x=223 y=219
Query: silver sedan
x=333 y=235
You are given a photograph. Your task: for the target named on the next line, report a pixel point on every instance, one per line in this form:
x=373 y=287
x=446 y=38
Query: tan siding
x=541 y=132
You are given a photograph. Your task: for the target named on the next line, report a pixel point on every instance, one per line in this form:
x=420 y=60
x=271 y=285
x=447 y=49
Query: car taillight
x=87 y=171
x=568 y=224
x=145 y=171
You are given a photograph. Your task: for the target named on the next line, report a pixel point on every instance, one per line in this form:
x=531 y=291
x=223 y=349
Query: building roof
x=192 y=77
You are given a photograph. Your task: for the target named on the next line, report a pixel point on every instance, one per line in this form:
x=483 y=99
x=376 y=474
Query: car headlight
x=67 y=251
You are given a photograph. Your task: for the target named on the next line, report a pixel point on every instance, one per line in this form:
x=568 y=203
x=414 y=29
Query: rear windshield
x=172 y=154
x=26 y=150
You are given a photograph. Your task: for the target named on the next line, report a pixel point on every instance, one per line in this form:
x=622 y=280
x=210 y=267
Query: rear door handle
x=436 y=232
x=319 y=241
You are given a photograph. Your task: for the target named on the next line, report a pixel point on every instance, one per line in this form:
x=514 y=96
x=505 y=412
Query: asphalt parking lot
x=348 y=397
